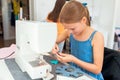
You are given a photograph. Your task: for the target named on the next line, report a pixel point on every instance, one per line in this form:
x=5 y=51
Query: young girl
x=87 y=45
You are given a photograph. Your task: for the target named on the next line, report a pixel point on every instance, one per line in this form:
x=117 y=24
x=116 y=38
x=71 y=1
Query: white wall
x=9 y=32
x=39 y=9
x=31 y=9
x=117 y=14
x=106 y=20
x=110 y=18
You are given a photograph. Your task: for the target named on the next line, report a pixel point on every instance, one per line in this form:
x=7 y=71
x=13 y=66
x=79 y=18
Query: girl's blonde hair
x=74 y=11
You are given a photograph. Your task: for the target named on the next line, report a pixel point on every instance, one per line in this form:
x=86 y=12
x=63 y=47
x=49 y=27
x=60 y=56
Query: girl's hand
x=65 y=57
x=55 y=49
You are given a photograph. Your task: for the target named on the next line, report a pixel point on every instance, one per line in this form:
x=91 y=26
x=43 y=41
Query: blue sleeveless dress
x=83 y=50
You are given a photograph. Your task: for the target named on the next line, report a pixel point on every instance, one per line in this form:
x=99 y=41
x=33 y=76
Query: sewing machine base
x=33 y=67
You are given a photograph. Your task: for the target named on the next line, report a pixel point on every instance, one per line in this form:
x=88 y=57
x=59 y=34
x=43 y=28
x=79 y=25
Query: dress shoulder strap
x=92 y=35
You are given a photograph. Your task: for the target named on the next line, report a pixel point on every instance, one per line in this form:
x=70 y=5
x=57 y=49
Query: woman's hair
x=73 y=12
x=54 y=15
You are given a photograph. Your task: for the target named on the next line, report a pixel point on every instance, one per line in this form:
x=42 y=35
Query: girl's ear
x=84 y=20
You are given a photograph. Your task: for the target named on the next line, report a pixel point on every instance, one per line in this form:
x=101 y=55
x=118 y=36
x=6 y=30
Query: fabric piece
x=8 y=52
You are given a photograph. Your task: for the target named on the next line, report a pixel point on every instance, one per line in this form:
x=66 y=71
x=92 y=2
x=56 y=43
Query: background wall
x=39 y=9
x=9 y=32
x=117 y=14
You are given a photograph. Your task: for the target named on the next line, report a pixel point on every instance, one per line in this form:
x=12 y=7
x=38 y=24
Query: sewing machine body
x=34 y=39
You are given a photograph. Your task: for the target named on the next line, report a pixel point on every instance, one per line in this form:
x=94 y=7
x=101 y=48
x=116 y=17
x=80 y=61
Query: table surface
x=12 y=71
x=4 y=71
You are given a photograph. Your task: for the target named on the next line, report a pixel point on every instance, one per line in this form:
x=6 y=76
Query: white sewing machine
x=34 y=39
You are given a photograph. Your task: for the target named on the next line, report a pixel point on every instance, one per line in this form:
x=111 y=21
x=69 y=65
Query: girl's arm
x=64 y=35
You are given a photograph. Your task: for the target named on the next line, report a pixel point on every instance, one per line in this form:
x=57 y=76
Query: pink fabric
x=5 y=51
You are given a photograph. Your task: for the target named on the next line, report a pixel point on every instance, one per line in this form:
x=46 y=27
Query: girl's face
x=74 y=28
